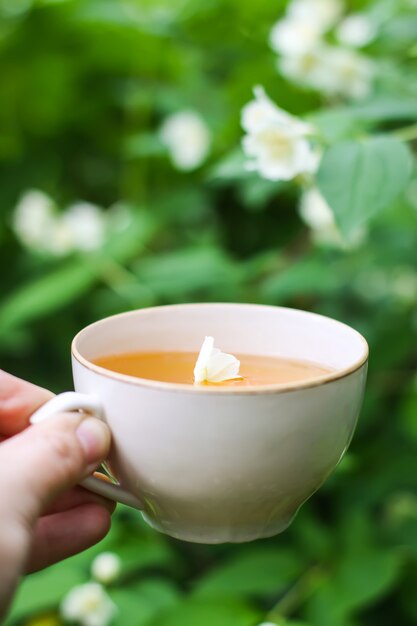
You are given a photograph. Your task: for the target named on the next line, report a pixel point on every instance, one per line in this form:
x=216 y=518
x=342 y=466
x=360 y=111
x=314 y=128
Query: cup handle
x=73 y=401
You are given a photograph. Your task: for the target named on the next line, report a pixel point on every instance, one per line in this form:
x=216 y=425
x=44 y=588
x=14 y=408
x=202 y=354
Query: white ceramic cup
x=219 y=464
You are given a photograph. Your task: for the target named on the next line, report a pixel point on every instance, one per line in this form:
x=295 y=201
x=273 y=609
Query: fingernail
x=94 y=437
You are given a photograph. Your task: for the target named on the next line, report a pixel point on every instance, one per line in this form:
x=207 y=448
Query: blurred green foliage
x=85 y=86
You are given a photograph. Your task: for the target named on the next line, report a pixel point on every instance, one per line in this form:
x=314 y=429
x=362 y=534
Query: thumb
x=47 y=459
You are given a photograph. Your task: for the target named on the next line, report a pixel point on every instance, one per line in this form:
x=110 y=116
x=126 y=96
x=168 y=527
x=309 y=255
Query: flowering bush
x=157 y=151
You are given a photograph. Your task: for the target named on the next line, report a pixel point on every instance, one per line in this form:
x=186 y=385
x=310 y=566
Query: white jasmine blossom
x=89 y=605
x=276 y=142
x=308 y=60
x=86 y=222
x=187 y=137
x=34 y=219
x=317 y=214
x=308 y=69
x=61 y=241
x=294 y=36
x=356 y=30
x=262 y=111
x=279 y=153
x=331 y=70
x=349 y=73
x=214 y=366
x=303 y=25
x=323 y=13
x=315 y=211
x=41 y=228
x=106 y=567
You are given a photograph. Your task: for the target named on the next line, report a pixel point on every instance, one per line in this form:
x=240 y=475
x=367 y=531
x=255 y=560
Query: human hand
x=44 y=516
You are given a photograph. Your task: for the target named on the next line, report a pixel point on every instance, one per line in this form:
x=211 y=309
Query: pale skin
x=44 y=516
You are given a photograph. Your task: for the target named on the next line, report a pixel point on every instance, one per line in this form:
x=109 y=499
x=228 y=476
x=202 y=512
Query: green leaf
x=359 y=579
x=138 y=547
x=150 y=17
x=49 y=293
x=365 y=576
x=229 y=168
x=400 y=32
x=45 y=589
x=383 y=108
x=256 y=192
x=358 y=179
x=62 y=286
x=131 y=240
x=281 y=621
x=408 y=410
x=260 y=571
x=313 y=536
x=338 y=123
x=335 y=124
x=139 y=604
x=307 y=277
x=144 y=145
x=178 y=274
x=209 y=613
x=137 y=553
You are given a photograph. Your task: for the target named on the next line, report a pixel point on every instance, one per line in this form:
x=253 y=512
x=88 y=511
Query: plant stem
x=117 y=278
x=115 y=272
x=297 y=594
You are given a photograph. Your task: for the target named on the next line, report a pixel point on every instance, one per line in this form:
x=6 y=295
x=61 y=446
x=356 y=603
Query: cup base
x=213 y=535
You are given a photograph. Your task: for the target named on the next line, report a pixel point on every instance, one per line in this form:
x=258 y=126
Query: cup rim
x=200 y=389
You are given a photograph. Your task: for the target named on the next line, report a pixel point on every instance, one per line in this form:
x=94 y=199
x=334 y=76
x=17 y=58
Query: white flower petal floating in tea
x=214 y=366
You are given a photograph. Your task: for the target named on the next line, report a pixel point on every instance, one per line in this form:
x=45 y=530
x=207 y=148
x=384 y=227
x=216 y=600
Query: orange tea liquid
x=178 y=367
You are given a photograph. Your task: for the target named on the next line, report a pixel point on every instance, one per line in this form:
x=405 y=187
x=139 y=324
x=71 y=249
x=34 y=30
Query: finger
x=64 y=534
x=18 y=400
x=76 y=497
x=54 y=456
